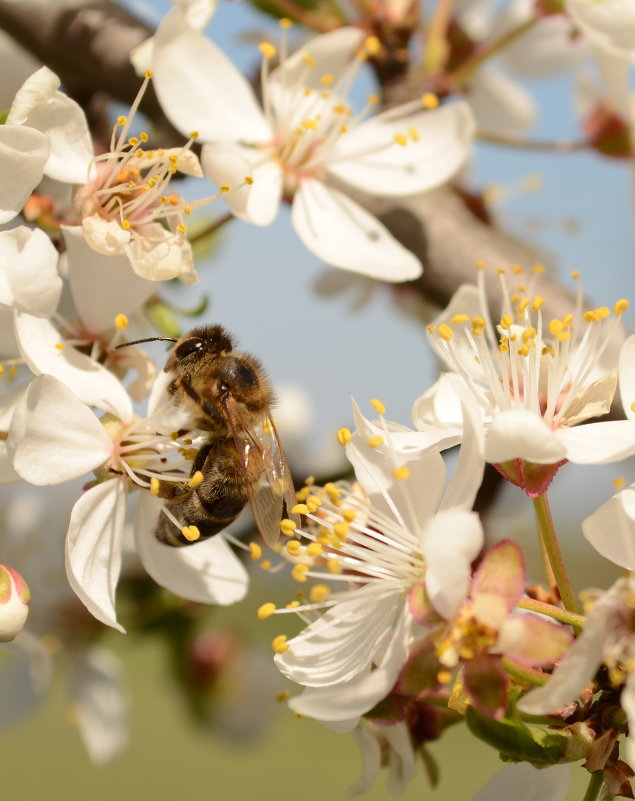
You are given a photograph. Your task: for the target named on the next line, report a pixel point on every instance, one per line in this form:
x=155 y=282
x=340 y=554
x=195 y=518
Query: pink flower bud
x=14 y=603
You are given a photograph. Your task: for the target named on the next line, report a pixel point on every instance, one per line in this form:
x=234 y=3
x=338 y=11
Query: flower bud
x=14 y=603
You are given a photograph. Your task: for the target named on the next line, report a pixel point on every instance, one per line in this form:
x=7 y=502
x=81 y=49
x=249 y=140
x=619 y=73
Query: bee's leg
x=209 y=408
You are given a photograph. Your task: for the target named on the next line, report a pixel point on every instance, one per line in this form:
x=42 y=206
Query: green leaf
x=196 y=311
x=163 y=318
x=517 y=742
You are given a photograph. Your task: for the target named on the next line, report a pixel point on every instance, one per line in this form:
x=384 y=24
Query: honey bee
x=229 y=398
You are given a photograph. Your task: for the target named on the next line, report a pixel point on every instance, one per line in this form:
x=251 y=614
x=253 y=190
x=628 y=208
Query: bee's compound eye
x=190 y=346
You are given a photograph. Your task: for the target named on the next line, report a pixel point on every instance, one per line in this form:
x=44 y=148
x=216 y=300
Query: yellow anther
x=148 y=74
x=373 y=99
x=285 y=22
x=126 y=225
x=58 y=346
x=181 y=228
x=344 y=436
x=478 y=325
x=618 y=483
x=444 y=676
x=299 y=572
x=255 y=550
x=266 y=610
x=299 y=509
x=603 y=312
x=13 y=371
x=287 y=527
x=515 y=298
x=315 y=500
x=314 y=549
x=378 y=406
x=326 y=79
x=522 y=305
x=267 y=49
x=121 y=321
x=191 y=533
x=555 y=327
x=431 y=329
x=372 y=45
x=517 y=269
x=537 y=303
x=506 y=322
x=308 y=60
x=312 y=507
x=133 y=141
x=294 y=548
x=567 y=320
x=413 y=133
x=292 y=604
x=523 y=350
x=501 y=271
x=460 y=318
x=302 y=494
x=400 y=139
x=538 y=269
x=445 y=332
x=375 y=442
x=249 y=180
x=196 y=480
x=332 y=490
x=319 y=593
x=310 y=125
x=280 y=644
x=224 y=188
x=323 y=536
x=401 y=473
x=265 y=564
x=343 y=129
x=429 y=100
x=340 y=529
x=621 y=306
x=528 y=334
x=575 y=274
x=480 y=264
x=333 y=565
x=154 y=486
x=349 y=515
x=309 y=481
x=122 y=120
x=194 y=134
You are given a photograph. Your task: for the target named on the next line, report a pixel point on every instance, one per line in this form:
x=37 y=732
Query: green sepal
x=517 y=742
x=163 y=318
x=3 y=116
x=197 y=310
x=430 y=766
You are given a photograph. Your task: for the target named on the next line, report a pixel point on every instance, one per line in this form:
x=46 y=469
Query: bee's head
x=209 y=340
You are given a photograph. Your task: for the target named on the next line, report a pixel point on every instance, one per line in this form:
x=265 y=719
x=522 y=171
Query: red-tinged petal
x=419 y=677
x=498 y=582
x=532 y=640
x=486 y=683
x=93 y=548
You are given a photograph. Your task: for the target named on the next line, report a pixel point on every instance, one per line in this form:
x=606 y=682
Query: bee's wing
x=267 y=476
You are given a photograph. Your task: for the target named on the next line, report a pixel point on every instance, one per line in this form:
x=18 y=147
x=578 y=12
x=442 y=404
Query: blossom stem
x=461 y=75
x=549 y=539
x=596 y=781
x=524 y=673
x=211 y=229
x=554 y=145
x=563 y=615
x=436 y=50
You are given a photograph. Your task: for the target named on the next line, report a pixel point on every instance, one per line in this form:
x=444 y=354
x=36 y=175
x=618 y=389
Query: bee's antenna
x=149 y=339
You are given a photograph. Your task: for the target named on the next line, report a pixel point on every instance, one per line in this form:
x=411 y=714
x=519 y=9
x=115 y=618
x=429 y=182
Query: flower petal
x=54 y=437
x=28 y=271
x=610 y=24
x=24 y=677
x=200 y=89
x=102 y=286
x=498 y=583
x=342 y=233
x=523 y=782
x=627 y=376
x=611 y=529
x=442 y=147
x=532 y=640
x=599 y=443
x=23 y=154
x=39 y=105
x=501 y=105
x=93 y=548
x=522 y=434
x=99 y=702
x=451 y=541
x=157 y=254
x=229 y=163
x=40 y=344
x=576 y=669
x=342 y=643
x=208 y=572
